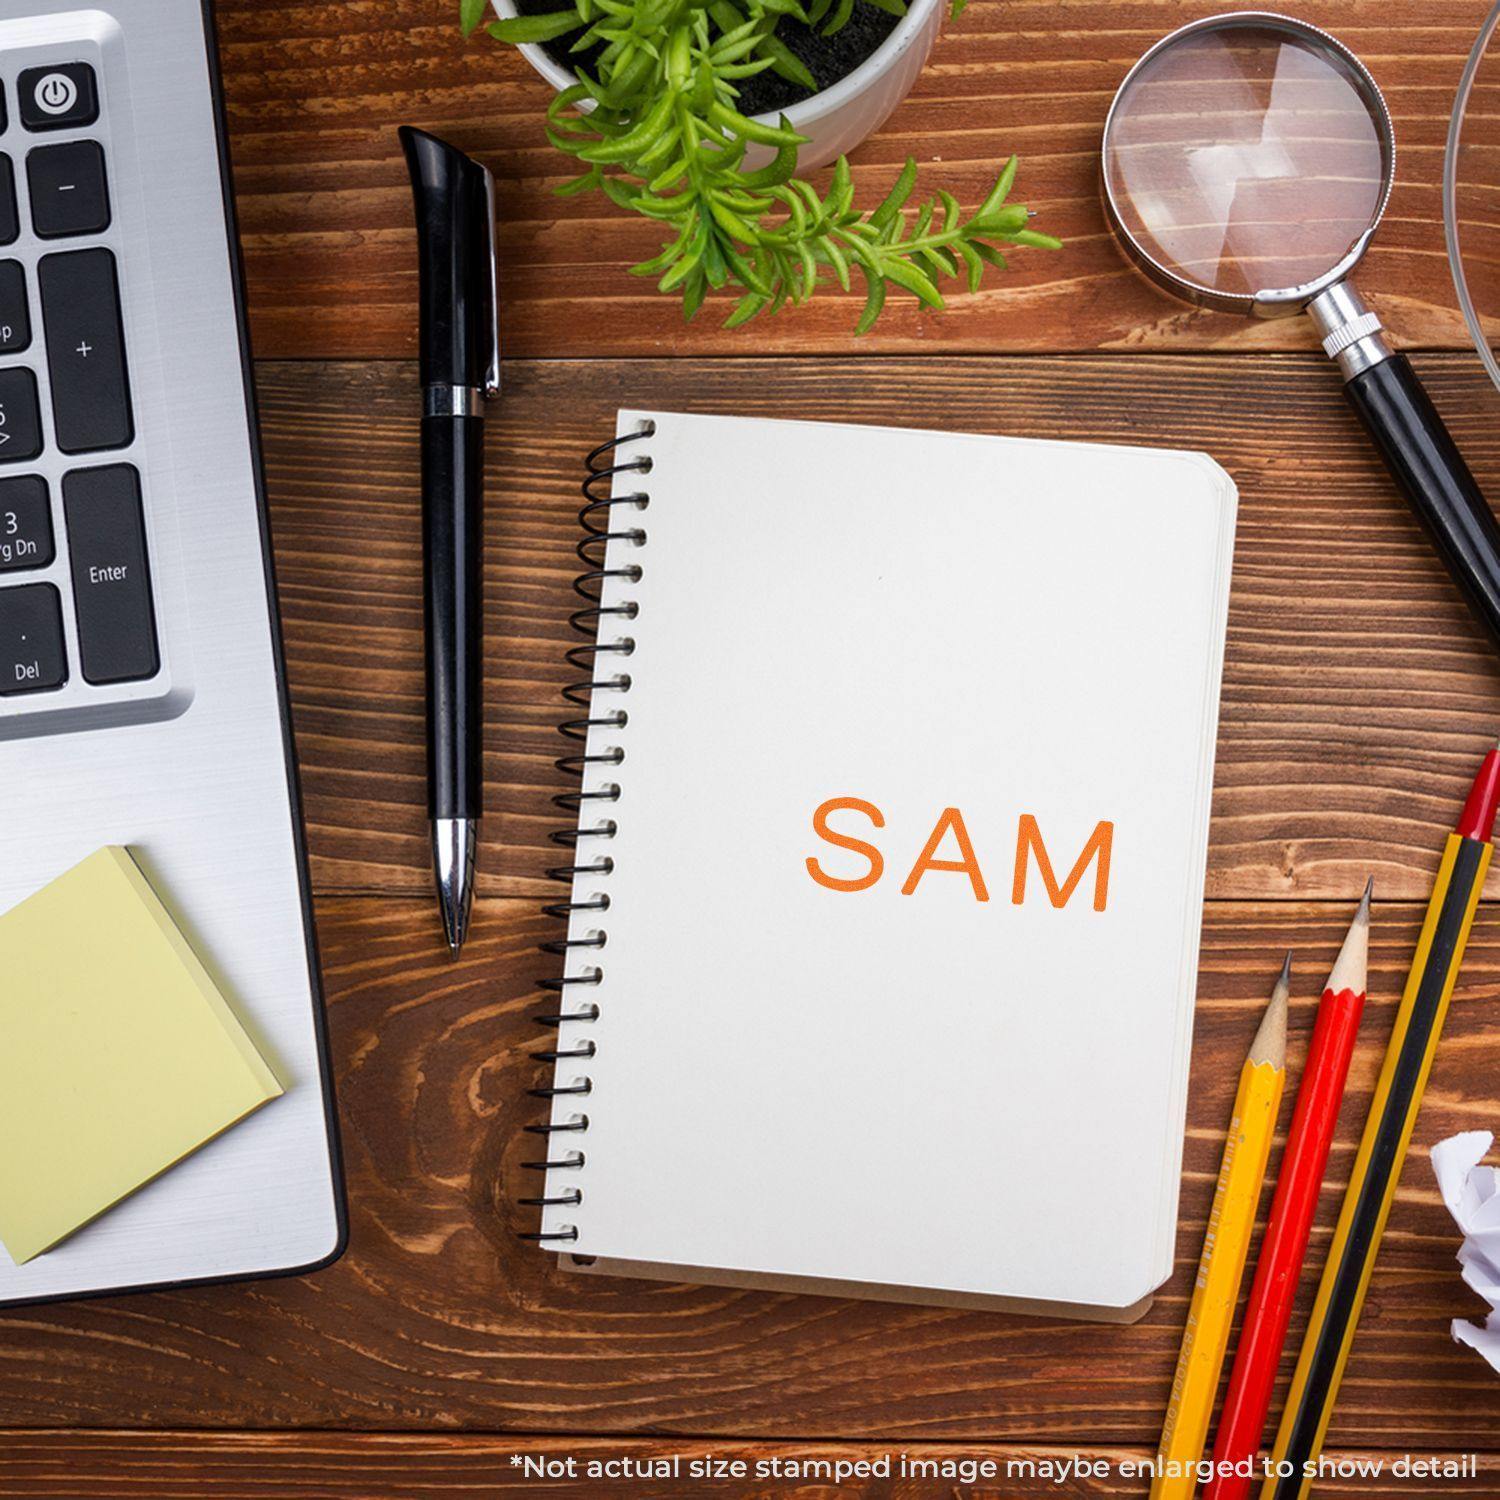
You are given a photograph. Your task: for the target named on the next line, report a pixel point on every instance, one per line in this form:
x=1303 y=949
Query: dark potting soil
x=827 y=58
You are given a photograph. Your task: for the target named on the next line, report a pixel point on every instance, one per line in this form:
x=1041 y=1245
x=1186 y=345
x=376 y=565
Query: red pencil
x=1279 y=1268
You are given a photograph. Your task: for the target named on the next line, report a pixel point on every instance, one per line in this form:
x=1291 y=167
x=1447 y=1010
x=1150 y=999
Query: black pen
x=460 y=358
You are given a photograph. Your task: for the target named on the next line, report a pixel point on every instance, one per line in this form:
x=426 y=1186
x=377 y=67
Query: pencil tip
x=1351 y=966
x=1269 y=1045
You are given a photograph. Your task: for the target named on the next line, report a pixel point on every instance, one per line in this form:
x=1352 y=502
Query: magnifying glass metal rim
x=1271 y=302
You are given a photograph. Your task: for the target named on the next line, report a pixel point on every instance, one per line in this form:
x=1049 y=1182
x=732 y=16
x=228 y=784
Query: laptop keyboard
x=76 y=599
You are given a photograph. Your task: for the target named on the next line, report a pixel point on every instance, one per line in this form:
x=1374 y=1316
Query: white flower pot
x=838 y=119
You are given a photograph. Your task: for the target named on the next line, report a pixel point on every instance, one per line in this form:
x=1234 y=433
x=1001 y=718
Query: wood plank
x=1358 y=695
x=438 y=1317
x=315 y=93
x=399 y=1466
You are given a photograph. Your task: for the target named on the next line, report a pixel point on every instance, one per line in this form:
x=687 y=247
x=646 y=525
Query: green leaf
x=713 y=261
x=691 y=262
x=873 y=304
x=809 y=196
x=841 y=15
x=1007 y=220
x=744 y=269
x=1001 y=190
x=635 y=141
x=679 y=58
x=565 y=100
x=786 y=62
x=470 y=14
x=957 y=9
x=541 y=28
x=669 y=176
x=668 y=255
x=754 y=204
x=745 y=309
x=809 y=270
x=746 y=70
x=840 y=190
x=693 y=293
x=1037 y=241
x=777 y=171
x=971 y=259
x=619 y=192
x=904 y=274
x=941 y=261
x=679 y=273
x=659 y=150
x=752 y=130
x=838 y=262
x=577 y=185
x=732 y=224
x=895 y=200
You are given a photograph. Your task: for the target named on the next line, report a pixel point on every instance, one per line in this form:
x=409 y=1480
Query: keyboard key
x=20 y=417
x=25 y=524
x=10 y=215
x=69 y=194
x=86 y=351
x=58 y=96
x=111 y=576
x=32 y=655
x=15 y=311
x=4 y=113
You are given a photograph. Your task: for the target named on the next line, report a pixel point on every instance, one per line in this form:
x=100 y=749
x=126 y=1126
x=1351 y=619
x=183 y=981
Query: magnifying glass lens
x=1246 y=159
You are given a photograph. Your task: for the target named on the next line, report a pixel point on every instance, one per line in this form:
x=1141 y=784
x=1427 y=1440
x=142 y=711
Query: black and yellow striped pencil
x=1382 y=1150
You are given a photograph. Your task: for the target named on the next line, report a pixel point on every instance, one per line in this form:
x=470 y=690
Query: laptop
x=142 y=690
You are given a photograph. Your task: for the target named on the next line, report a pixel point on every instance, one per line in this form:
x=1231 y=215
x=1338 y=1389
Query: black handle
x=1426 y=463
x=452 y=544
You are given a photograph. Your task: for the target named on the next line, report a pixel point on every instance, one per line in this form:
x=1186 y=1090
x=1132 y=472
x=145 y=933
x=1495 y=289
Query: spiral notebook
x=888 y=871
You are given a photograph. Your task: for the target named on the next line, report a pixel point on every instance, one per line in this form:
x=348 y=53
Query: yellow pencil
x=1225 y=1248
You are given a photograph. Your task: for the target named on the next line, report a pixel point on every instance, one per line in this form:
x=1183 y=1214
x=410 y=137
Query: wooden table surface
x=1358 y=697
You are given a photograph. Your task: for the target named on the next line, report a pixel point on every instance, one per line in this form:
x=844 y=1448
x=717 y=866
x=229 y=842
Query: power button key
x=58 y=97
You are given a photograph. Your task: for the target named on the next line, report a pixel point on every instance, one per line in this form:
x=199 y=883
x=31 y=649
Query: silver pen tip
x=454 y=845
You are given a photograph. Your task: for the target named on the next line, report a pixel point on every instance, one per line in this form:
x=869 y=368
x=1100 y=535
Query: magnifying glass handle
x=1425 y=462
x=1417 y=448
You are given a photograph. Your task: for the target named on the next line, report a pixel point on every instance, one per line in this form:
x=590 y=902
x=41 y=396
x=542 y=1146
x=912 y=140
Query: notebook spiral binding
x=605 y=465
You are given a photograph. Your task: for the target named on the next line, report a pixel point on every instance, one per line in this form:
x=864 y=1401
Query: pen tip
x=1286 y=970
x=1363 y=914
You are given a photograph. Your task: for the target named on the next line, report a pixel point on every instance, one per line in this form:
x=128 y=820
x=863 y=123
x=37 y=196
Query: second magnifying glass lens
x=1246 y=159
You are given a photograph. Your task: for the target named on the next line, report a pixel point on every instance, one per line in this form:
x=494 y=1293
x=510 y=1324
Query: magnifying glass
x=1247 y=161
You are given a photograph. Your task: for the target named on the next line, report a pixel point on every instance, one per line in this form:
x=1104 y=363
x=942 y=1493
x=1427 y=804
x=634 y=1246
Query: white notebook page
x=924 y=1090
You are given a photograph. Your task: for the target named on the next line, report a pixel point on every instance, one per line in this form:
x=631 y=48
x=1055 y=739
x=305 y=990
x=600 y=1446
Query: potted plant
x=696 y=112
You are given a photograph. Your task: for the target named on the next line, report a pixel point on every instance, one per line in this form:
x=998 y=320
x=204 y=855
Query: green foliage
x=654 y=127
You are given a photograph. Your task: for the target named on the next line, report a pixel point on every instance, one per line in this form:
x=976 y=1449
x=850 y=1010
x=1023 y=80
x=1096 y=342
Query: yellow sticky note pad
x=119 y=1056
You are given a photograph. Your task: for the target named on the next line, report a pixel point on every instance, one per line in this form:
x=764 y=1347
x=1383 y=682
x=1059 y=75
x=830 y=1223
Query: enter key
x=111 y=574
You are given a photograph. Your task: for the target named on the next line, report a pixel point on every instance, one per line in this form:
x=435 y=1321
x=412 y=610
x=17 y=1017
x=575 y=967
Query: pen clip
x=492 y=374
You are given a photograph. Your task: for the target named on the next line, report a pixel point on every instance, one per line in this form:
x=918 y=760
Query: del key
x=86 y=351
